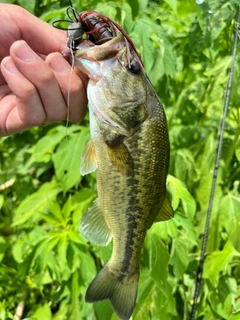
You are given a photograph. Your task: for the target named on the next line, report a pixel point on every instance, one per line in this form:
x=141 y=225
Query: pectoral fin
x=88 y=161
x=94 y=227
x=166 y=211
x=119 y=155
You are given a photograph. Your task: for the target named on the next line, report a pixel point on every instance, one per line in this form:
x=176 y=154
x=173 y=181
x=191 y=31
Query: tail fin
x=121 y=293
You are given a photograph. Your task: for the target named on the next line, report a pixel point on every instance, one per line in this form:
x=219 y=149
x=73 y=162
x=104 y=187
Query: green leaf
x=235 y=316
x=165 y=229
x=67 y=158
x=103 y=309
x=29 y=5
x=43 y=249
x=3 y=247
x=144 y=29
x=159 y=257
x=108 y=8
x=36 y=203
x=145 y=296
x=218 y=261
x=135 y=6
x=187 y=230
x=75 y=237
x=17 y=250
x=75 y=291
x=81 y=201
x=1 y=200
x=53 y=269
x=221 y=299
x=230 y=217
x=67 y=208
x=56 y=211
x=153 y=299
x=186 y=8
x=237 y=150
x=42 y=151
x=179 y=194
x=62 y=248
x=42 y=313
x=163 y=302
x=61 y=314
x=179 y=257
x=88 y=268
x=172 y=4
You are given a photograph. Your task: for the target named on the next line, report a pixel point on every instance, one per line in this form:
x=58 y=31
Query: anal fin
x=94 y=227
x=166 y=212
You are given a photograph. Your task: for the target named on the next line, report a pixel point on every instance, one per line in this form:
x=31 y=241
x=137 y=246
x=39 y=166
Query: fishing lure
x=98 y=28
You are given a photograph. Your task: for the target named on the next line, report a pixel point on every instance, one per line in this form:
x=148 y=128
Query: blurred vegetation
x=46 y=265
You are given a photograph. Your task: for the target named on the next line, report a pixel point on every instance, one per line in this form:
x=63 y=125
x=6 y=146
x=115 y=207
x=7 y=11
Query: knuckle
x=46 y=79
x=35 y=119
x=77 y=87
x=61 y=115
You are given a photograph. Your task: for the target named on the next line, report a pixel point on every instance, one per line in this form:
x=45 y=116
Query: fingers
x=17 y=23
x=41 y=89
x=22 y=108
x=72 y=86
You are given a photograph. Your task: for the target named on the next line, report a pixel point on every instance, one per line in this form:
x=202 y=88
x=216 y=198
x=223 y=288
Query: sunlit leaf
x=1 y=200
x=179 y=194
x=159 y=258
x=3 y=247
x=43 y=149
x=67 y=158
x=75 y=305
x=230 y=217
x=186 y=227
x=179 y=257
x=218 y=261
x=43 y=313
x=30 y=6
x=88 y=268
x=36 y=203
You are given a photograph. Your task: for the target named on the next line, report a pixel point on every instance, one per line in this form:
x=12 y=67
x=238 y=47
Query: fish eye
x=134 y=66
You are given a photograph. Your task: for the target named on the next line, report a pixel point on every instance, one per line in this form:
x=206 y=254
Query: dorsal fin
x=166 y=212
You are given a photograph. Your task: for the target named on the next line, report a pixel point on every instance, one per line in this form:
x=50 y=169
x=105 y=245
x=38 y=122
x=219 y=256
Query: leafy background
x=45 y=264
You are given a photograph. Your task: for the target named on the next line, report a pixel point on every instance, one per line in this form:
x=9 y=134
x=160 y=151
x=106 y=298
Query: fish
x=129 y=150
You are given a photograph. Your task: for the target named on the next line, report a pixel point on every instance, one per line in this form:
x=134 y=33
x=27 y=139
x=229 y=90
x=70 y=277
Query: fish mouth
x=110 y=49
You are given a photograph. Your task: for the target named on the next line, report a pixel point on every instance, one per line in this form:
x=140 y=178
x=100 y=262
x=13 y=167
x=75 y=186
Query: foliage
x=44 y=261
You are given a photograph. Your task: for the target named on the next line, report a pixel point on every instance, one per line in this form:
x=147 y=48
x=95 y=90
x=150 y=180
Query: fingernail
x=9 y=65
x=60 y=65
x=25 y=53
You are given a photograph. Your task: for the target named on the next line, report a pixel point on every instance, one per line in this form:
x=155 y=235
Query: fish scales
x=129 y=149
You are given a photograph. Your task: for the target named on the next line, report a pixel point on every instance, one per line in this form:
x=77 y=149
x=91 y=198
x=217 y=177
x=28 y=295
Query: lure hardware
x=97 y=28
x=75 y=33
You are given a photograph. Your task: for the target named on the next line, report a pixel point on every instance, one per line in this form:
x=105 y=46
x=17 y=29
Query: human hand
x=34 y=91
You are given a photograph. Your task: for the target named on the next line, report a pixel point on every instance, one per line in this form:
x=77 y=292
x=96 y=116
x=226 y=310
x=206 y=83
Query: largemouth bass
x=129 y=149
